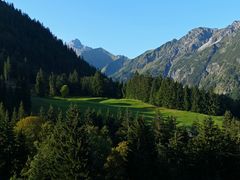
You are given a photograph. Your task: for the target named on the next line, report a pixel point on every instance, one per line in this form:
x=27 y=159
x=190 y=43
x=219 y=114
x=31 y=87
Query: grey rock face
x=203 y=57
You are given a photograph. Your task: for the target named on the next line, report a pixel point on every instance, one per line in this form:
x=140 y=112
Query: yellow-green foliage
x=30 y=127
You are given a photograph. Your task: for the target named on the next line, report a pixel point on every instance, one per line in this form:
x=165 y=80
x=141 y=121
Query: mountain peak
x=235 y=25
x=76 y=43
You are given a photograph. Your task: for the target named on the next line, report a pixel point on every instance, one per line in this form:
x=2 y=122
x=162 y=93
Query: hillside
x=114 y=105
x=208 y=58
x=30 y=46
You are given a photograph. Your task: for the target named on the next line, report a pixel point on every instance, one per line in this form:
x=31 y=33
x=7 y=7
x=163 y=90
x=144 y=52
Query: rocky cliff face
x=208 y=58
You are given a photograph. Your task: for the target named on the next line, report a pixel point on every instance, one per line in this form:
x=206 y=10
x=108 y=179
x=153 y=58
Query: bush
x=30 y=127
x=64 y=91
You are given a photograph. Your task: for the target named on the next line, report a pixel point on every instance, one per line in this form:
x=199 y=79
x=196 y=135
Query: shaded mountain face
x=205 y=57
x=114 y=66
x=97 y=57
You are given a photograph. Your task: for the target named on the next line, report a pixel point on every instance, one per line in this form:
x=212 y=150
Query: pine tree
x=196 y=99
x=142 y=151
x=21 y=153
x=179 y=96
x=42 y=113
x=6 y=145
x=52 y=85
x=116 y=163
x=51 y=114
x=21 y=111
x=187 y=98
x=6 y=69
x=64 y=154
x=74 y=83
x=98 y=85
x=40 y=86
x=14 y=117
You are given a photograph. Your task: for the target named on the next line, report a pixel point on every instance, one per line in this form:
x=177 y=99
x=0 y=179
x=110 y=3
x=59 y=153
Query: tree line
x=168 y=93
x=13 y=92
x=73 y=85
x=96 y=145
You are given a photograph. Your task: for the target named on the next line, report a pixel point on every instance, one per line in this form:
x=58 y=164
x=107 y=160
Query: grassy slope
x=135 y=106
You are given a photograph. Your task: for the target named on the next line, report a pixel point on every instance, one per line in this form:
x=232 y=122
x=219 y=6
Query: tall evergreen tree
x=196 y=99
x=6 y=69
x=64 y=154
x=98 y=84
x=52 y=85
x=40 y=86
x=187 y=98
x=21 y=111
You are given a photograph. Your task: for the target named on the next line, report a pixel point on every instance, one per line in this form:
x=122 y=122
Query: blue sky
x=128 y=27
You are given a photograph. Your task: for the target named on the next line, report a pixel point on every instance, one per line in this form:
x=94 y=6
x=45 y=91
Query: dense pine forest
x=54 y=144
x=168 y=93
x=95 y=145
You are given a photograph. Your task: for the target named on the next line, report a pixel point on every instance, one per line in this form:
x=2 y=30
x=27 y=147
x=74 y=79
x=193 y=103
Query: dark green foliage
x=40 y=86
x=13 y=150
x=30 y=46
x=167 y=93
x=116 y=163
x=21 y=112
x=99 y=85
x=52 y=85
x=139 y=87
x=93 y=145
x=141 y=161
x=6 y=69
x=187 y=98
x=196 y=100
x=11 y=96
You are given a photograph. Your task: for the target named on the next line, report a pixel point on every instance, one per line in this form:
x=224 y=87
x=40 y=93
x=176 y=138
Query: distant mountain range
x=206 y=57
x=98 y=57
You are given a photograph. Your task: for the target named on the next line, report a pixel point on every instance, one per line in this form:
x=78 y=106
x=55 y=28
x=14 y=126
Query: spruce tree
x=6 y=145
x=6 y=69
x=52 y=85
x=14 y=117
x=116 y=162
x=40 y=86
x=21 y=111
x=196 y=100
x=98 y=85
x=187 y=99
x=64 y=154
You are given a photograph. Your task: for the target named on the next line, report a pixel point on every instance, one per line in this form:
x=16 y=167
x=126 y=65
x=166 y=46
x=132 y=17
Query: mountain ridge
x=97 y=57
x=191 y=59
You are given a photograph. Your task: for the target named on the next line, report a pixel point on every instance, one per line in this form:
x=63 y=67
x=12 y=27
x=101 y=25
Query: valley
x=69 y=111
x=135 y=107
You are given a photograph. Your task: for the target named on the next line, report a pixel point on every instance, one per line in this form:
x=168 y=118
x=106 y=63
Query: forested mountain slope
x=30 y=46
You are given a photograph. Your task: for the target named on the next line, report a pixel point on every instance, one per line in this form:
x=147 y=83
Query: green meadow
x=114 y=105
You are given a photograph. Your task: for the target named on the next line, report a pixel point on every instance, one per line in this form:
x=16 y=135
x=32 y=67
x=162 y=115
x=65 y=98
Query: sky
x=128 y=27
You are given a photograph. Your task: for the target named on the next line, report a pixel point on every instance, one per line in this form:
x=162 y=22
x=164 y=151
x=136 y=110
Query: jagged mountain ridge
x=98 y=57
x=202 y=58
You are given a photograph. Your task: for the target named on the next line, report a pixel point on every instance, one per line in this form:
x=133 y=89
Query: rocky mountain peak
x=76 y=43
x=235 y=25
